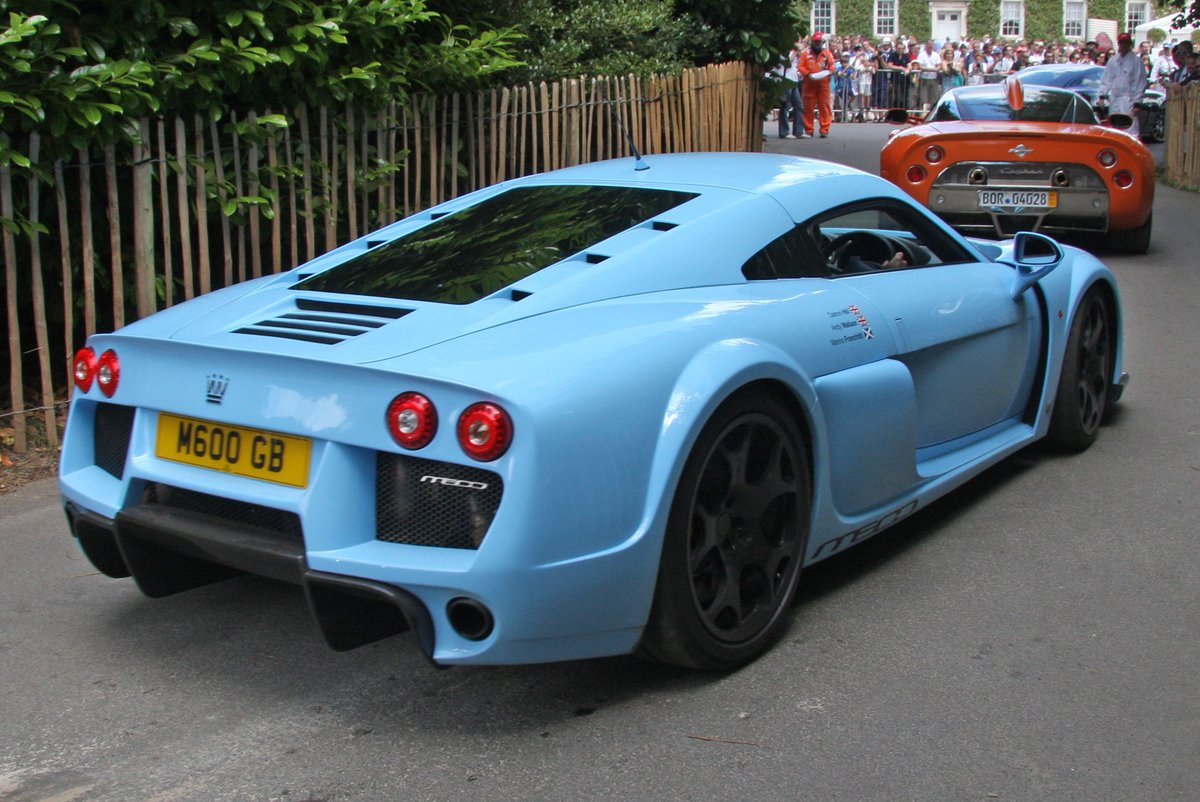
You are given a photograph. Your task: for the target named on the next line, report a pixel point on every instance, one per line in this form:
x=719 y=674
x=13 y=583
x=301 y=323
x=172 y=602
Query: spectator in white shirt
x=1124 y=81
x=929 y=84
x=1162 y=67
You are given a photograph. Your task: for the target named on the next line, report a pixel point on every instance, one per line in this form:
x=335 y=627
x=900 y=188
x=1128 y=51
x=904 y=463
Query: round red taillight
x=1123 y=179
x=934 y=154
x=412 y=420
x=484 y=431
x=915 y=174
x=1107 y=158
x=83 y=368
x=108 y=372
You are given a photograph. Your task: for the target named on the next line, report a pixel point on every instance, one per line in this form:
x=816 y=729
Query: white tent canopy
x=1140 y=33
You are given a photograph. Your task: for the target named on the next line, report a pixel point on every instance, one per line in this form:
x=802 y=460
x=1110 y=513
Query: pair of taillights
x=1108 y=158
x=916 y=173
x=104 y=370
x=484 y=429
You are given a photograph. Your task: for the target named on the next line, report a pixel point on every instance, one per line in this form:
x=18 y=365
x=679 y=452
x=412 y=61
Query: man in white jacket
x=1124 y=81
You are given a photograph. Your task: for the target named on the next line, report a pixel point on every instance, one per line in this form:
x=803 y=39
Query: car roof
x=802 y=187
x=759 y=173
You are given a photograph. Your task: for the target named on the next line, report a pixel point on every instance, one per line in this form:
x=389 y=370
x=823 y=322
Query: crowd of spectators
x=904 y=72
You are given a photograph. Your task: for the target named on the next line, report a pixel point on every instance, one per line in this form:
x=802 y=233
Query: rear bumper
x=1078 y=210
x=372 y=537
x=167 y=552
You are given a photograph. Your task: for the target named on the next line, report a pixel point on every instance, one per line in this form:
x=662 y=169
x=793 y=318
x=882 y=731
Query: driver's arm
x=897 y=260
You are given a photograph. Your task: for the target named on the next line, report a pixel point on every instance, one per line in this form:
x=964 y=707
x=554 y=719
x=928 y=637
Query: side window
x=882 y=235
x=793 y=255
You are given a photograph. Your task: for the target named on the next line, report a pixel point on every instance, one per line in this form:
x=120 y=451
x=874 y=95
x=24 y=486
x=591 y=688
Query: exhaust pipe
x=469 y=618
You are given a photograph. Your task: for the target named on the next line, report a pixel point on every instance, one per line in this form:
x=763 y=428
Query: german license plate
x=257 y=454
x=1018 y=199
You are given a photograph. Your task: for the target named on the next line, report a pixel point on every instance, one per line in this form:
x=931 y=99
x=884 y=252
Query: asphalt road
x=1032 y=637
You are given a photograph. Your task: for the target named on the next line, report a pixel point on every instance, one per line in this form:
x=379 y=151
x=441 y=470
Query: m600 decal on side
x=867 y=530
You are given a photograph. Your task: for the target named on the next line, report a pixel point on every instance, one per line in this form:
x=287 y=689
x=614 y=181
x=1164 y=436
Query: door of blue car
x=972 y=349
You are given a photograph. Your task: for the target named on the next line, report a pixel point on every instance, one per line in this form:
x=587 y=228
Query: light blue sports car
x=608 y=409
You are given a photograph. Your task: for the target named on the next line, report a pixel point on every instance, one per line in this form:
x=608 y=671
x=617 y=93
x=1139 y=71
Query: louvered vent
x=325 y=322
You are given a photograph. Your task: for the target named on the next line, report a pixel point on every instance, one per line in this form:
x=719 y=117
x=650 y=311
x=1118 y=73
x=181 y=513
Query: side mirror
x=896 y=116
x=1034 y=256
x=1122 y=121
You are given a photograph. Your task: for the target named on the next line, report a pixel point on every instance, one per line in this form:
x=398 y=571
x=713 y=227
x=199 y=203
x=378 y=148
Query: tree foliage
x=606 y=37
x=564 y=38
x=81 y=72
x=755 y=31
x=1189 y=13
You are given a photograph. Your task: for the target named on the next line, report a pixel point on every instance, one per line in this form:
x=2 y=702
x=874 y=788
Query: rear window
x=1062 y=78
x=474 y=252
x=992 y=105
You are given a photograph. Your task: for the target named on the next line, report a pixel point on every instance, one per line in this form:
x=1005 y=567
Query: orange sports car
x=1001 y=158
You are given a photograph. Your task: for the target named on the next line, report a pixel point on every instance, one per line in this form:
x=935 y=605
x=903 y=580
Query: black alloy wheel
x=735 y=539
x=1087 y=372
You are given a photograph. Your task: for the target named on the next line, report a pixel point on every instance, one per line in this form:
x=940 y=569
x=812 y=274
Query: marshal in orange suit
x=816 y=74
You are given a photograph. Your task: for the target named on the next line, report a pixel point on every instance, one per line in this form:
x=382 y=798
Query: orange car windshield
x=1040 y=106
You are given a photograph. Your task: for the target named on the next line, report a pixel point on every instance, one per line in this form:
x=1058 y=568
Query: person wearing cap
x=888 y=64
x=1124 y=81
x=816 y=70
x=1161 y=67
x=845 y=87
x=1006 y=62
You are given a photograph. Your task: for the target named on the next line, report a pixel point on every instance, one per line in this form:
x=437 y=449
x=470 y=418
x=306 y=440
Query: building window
x=822 y=16
x=1012 y=19
x=1074 y=15
x=1136 y=13
x=885 y=18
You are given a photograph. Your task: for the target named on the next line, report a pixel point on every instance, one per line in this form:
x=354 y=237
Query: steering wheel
x=871 y=248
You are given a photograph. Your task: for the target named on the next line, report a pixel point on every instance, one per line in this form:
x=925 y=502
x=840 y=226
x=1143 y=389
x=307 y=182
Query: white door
x=947 y=26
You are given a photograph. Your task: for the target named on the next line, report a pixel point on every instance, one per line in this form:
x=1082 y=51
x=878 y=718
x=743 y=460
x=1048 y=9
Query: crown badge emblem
x=217 y=385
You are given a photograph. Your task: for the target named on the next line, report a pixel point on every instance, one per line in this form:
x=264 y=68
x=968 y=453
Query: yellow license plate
x=257 y=454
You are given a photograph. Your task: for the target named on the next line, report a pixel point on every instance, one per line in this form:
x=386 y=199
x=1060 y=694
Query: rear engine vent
x=283 y=524
x=325 y=322
x=423 y=502
x=112 y=427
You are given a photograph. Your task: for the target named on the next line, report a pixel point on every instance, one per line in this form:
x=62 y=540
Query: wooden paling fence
x=200 y=205
x=1181 y=151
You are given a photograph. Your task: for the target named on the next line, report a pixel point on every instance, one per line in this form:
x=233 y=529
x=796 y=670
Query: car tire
x=1083 y=398
x=1158 y=131
x=1132 y=240
x=735 y=539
